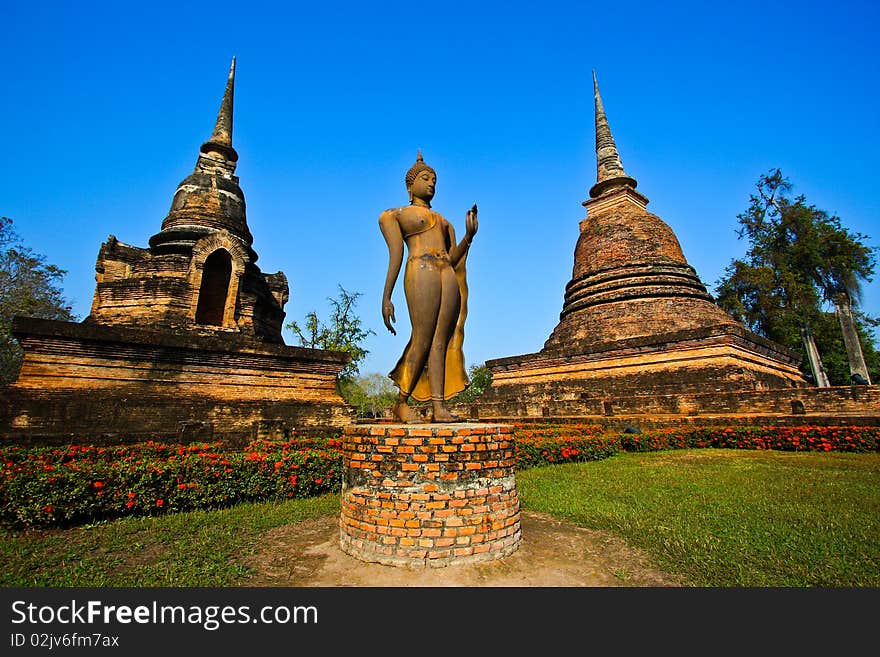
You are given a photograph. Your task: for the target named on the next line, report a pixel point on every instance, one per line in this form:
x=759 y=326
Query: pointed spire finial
x=609 y=169
x=419 y=156
x=221 y=138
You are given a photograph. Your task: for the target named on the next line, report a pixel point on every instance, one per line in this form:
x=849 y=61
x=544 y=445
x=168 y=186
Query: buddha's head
x=421 y=180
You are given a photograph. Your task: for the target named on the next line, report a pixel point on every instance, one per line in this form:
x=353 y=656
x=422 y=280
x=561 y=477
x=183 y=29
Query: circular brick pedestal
x=429 y=494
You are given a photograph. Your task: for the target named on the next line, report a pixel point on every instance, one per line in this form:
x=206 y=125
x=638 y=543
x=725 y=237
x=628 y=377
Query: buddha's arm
x=458 y=250
x=394 y=238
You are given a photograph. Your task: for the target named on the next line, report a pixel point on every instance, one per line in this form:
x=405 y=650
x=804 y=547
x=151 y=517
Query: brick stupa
x=199 y=273
x=184 y=337
x=636 y=322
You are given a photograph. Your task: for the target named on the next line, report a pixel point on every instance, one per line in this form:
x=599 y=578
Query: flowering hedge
x=78 y=484
x=46 y=486
x=544 y=444
x=790 y=439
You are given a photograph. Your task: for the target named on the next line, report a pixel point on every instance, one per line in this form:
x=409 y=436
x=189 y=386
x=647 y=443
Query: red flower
x=98 y=484
x=48 y=508
x=130 y=495
x=129 y=504
x=160 y=502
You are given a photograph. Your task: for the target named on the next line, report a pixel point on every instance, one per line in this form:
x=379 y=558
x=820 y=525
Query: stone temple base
x=109 y=384
x=429 y=495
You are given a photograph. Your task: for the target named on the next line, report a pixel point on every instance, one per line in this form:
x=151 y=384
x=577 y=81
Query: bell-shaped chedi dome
x=630 y=277
x=210 y=198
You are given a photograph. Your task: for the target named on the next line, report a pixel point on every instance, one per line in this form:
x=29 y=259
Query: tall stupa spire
x=221 y=139
x=609 y=169
x=209 y=199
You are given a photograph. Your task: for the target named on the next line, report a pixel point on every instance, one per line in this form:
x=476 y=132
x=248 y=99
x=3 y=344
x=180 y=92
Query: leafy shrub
x=791 y=439
x=562 y=443
x=78 y=484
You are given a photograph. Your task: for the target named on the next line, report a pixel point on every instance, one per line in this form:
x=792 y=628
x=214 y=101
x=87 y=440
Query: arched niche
x=210 y=258
x=214 y=289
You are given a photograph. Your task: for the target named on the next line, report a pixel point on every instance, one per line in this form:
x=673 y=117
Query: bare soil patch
x=553 y=554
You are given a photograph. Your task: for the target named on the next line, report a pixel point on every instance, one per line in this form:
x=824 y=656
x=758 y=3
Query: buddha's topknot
x=416 y=169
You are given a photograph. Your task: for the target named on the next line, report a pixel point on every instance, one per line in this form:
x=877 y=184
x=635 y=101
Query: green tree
x=344 y=332
x=481 y=379
x=371 y=395
x=799 y=258
x=28 y=287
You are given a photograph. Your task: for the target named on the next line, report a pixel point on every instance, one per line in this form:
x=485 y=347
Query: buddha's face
x=423 y=186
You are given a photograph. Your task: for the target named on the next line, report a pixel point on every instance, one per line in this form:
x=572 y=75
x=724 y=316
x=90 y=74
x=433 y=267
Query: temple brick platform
x=110 y=384
x=832 y=406
x=429 y=495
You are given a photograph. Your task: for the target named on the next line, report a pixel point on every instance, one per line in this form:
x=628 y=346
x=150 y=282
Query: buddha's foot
x=405 y=414
x=442 y=415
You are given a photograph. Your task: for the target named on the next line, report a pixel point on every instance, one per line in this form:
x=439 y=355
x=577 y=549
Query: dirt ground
x=553 y=553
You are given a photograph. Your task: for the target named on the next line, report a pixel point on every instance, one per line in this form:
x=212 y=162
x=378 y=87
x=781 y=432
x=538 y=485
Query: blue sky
x=105 y=106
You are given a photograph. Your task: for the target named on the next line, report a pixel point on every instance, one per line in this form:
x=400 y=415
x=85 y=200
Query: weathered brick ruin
x=184 y=337
x=640 y=340
x=199 y=273
x=429 y=496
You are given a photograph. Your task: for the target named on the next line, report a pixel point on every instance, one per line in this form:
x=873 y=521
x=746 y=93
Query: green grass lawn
x=199 y=548
x=716 y=517
x=728 y=517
